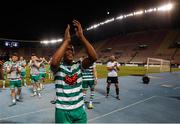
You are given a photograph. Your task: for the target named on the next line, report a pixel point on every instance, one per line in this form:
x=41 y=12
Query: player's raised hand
x=67 y=35
x=79 y=31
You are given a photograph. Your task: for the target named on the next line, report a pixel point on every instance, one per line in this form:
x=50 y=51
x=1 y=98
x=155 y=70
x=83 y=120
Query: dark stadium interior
x=31 y=26
x=35 y=21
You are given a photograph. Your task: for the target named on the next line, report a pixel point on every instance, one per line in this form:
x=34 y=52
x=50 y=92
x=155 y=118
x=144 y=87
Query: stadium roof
x=37 y=20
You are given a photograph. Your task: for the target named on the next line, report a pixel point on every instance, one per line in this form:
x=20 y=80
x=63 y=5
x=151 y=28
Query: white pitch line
x=99 y=97
x=120 y=109
x=25 y=114
x=41 y=110
x=176 y=88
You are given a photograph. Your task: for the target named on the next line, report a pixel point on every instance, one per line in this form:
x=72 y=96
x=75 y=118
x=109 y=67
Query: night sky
x=32 y=20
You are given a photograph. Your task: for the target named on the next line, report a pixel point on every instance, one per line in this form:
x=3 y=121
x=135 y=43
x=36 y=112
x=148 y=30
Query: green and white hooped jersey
x=5 y=65
x=14 y=75
x=33 y=69
x=68 y=82
x=23 y=69
x=42 y=69
x=88 y=73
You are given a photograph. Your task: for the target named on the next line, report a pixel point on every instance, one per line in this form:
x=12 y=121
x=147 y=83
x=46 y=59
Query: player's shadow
x=103 y=92
x=100 y=91
x=30 y=89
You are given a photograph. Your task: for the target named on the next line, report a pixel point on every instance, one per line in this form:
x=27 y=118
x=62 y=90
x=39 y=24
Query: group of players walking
x=72 y=78
x=15 y=71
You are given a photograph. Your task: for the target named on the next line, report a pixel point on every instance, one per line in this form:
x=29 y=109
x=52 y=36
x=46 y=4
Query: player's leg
x=62 y=116
x=23 y=76
x=108 y=86
x=116 y=87
x=13 y=93
x=18 y=95
x=4 y=81
x=42 y=80
x=37 y=80
x=84 y=89
x=24 y=79
x=78 y=116
x=34 y=89
x=91 y=85
x=38 y=88
x=33 y=86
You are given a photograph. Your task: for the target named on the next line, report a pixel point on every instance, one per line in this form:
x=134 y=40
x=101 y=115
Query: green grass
x=128 y=70
x=102 y=72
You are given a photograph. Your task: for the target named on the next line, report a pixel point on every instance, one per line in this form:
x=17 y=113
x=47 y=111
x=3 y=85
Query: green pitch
x=128 y=70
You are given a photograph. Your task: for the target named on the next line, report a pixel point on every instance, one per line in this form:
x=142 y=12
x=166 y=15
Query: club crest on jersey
x=71 y=80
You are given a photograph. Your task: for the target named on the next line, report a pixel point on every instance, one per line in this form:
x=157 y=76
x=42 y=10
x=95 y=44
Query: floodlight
x=119 y=17
x=167 y=7
x=52 y=41
x=130 y=14
x=138 y=13
x=6 y=44
x=59 y=40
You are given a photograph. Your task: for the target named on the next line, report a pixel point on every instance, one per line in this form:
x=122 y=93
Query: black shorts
x=112 y=79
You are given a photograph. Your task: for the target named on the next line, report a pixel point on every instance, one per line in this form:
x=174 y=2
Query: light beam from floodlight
x=119 y=17
x=59 y=40
x=128 y=15
x=138 y=12
x=167 y=7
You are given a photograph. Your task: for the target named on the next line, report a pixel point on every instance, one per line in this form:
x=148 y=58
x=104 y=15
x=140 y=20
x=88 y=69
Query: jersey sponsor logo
x=71 y=80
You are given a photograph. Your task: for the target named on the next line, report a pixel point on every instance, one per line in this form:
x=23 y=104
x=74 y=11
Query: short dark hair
x=15 y=54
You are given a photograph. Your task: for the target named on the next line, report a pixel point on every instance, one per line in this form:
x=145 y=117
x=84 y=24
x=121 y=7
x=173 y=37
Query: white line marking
x=154 y=77
x=41 y=110
x=99 y=97
x=176 y=88
x=141 y=101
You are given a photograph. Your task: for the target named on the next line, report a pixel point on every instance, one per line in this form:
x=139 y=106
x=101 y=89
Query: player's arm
x=49 y=61
x=92 y=56
x=110 y=68
x=9 y=69
x=37 y=64
x=116 y=66
x=46 y=62
x=41 y=62
x=58 y=55
x=29 y=64
x=24 y=64
x=19 y=69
